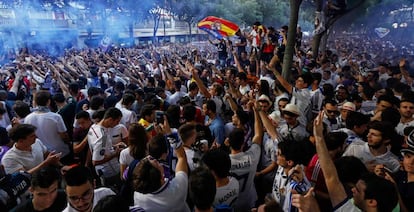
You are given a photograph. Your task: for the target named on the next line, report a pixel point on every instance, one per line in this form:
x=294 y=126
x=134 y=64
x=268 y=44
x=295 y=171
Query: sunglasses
x=332 y=111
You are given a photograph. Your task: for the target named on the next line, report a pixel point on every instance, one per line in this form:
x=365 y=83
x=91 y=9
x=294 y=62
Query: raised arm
x=336 y=190
x=177 y=144
x=200 y=84
x=270 y=129
x=237 y=62
x=258 y=128
x=279 y=77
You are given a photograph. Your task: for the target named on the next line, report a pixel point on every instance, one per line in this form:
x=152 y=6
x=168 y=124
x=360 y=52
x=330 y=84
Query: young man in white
x=51 y=129
x=244 y=164
x=300 y=92
x=128 y=116
x=104 y=154
x=28 y=153
x=375 y=150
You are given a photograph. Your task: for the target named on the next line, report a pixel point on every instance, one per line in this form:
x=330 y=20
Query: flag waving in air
x=218 y=27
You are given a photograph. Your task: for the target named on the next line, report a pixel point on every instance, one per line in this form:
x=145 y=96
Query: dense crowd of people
x=210 y=127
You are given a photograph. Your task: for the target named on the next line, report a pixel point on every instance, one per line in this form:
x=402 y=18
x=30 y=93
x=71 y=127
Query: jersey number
x=242 y=180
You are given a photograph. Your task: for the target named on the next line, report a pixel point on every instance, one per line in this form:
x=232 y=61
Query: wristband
x=174 y=140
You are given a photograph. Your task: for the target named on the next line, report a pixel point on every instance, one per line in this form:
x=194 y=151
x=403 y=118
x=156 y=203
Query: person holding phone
x=28 y=153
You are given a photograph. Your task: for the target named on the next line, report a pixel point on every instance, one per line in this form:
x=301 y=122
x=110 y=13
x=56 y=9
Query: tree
x=188 y=11
x=291 y=38
x=275 y=13
x=247 y=11
x=329 y=22
x=145 y=10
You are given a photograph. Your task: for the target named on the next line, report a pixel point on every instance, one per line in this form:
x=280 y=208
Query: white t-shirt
x=401 y=126
x=118 y=133
x=227 y=194
x=99 y=193
x=100 y=145
x=15 y=160
x=170 y=197
x=175 y=98
x=243 y=167
x=301 y=98
x=190 y=154
x=244 y=90
x=128 y=117
x=125 y=157
x=253 y=34
x=361 y=151
x=49 y=125
x=280 y=185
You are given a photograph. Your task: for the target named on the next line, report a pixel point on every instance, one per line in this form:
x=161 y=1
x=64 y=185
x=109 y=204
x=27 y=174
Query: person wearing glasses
x=80 y=190
x=45 y=193
x=330 y=107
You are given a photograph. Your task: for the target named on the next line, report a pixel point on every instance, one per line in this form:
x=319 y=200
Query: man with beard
x=375 y=151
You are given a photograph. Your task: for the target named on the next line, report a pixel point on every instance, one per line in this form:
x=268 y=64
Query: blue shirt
x=217 y=129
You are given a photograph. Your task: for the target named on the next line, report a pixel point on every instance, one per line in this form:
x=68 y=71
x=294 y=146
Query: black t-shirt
x=241 y=49
x=222 y=50
x=68 y=116
x=80 y=104
x=406 y=189
x=58 y=205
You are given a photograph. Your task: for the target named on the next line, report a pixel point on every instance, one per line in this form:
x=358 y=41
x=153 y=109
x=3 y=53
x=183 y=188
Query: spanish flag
x=218 y=27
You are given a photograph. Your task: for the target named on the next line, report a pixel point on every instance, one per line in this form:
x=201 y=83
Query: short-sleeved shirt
x=170 y=197
x=128 y=117
x=296 y=133
x=217 y=129
x=243 y=168
x=15 y=159
x=301 y=98
x=361 y=151
x=100 y=144
x=401 y=126
x=125 y=157
x=118 y=133
x=228 y=194
x=49 y=125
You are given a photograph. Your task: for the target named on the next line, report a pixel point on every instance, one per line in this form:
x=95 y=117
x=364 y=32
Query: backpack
x=127 y=191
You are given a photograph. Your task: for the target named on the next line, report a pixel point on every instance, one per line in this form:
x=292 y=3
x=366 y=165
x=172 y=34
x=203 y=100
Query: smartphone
x=159 y=116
